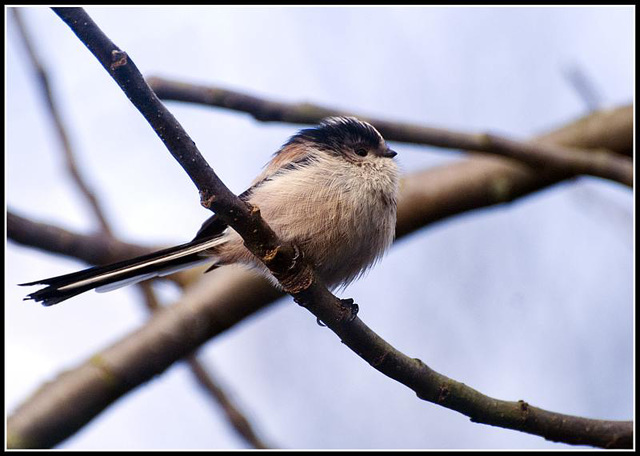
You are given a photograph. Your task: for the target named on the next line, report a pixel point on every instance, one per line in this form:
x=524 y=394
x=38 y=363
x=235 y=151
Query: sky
x=530 y=300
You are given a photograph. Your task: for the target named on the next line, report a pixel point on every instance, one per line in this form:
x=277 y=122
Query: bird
x=331 y=190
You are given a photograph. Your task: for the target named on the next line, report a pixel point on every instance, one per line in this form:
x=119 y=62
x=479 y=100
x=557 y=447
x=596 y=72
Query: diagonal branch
x=541 y=156
x=238 y=420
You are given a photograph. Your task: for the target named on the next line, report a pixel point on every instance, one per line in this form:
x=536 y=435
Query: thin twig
x=584 y=86
x=239 y=421
x=313 y=295
x=45 y=88
x=605 y=164
x=203 y=376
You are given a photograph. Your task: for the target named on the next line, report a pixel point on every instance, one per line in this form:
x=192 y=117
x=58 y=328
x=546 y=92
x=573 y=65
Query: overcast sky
x=531 y=300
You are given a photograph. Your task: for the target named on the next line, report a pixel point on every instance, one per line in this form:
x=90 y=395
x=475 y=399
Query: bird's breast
x=343 y=217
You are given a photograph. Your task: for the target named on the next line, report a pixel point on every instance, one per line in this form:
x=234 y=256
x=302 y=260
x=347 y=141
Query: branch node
x=500 y=189
x=118 y=59
x=524 y=409
x=207 y=200
x=106 y=372
x=443 y=392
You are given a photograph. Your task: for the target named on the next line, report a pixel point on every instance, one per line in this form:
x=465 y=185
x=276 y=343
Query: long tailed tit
x=331 y=190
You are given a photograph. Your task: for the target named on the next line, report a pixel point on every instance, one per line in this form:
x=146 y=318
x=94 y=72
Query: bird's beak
x=389 y=153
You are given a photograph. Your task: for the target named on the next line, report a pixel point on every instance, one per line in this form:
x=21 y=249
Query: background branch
x=42 y=78
x=540 y=155
x=91 y=248
x=238 y=420
x=584 y=86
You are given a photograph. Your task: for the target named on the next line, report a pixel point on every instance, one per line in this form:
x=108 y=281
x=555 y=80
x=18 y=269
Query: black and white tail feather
x=127 y=272
x=123 y=273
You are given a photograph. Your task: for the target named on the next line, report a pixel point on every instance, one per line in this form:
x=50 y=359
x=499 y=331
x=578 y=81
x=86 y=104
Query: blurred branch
x=207 y=309
x=584 y=86
x=45 y=88
x=238 y=420
x=610 y=129
x=234 y=416
x=91 y=248
x=62 y=406
x=541 y=156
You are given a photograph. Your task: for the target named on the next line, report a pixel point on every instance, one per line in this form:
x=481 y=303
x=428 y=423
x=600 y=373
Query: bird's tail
x=116 y=275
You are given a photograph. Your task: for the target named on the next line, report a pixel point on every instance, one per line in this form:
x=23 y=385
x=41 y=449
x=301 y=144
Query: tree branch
x=237 y=419
x=245 y=219
x=209 y=307
x=539 y=155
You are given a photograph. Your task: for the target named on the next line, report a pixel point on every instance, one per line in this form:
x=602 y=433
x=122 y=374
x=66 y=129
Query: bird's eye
x=362 y=152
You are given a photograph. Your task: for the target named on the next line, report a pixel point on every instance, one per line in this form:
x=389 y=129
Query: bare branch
x=45 y=88
x=237 y=419
x=246 y=220
x=207 y=309
x=541 y=156
x=91 y=248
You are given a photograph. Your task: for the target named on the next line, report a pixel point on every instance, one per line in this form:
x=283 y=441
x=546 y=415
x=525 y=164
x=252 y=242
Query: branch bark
x=193 y=330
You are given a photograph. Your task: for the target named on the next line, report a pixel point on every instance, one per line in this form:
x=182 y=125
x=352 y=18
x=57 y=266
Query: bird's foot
x=351 y=307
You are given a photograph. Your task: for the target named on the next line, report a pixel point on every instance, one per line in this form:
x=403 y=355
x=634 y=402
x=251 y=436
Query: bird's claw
x=351 y=307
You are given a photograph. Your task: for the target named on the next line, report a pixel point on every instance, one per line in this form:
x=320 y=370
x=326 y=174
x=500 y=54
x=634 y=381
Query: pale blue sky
x=531 y=300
